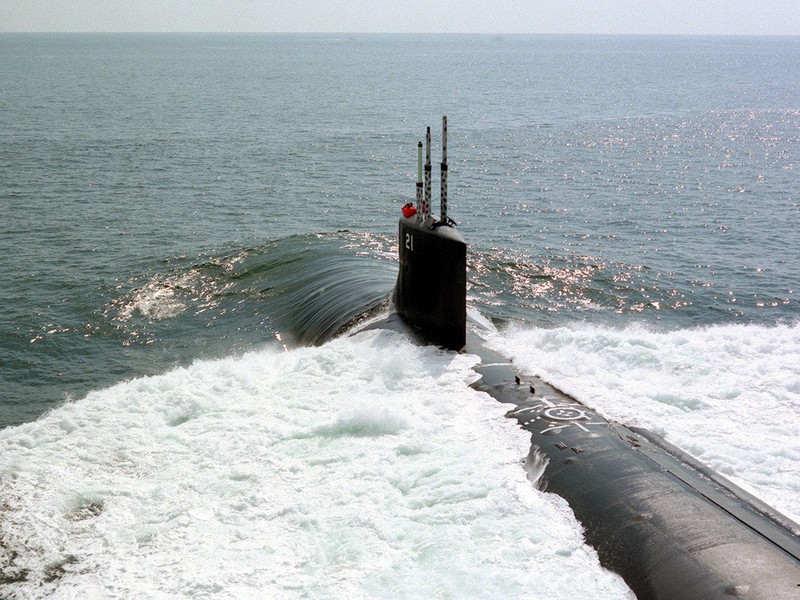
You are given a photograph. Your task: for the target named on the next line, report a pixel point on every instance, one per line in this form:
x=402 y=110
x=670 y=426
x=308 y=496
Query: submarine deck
x=671 y=527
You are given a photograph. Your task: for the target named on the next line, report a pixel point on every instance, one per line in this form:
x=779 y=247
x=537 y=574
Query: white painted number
x=409 y=242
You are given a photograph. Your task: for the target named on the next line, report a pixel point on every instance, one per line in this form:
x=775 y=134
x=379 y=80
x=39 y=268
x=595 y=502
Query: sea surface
x=191 y=227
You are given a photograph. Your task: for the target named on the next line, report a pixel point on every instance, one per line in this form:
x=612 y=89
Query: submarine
x=671 y=527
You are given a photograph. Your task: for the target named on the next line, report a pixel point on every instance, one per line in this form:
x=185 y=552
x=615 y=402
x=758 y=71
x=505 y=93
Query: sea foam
x=364 y=468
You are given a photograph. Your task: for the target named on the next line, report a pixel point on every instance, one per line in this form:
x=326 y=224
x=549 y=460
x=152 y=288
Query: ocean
x=192 y=226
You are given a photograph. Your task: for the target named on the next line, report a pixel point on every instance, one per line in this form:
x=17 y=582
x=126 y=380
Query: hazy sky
x=488 y=16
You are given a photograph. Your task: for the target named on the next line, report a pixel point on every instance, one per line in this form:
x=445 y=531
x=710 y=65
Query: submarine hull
x=669 y=526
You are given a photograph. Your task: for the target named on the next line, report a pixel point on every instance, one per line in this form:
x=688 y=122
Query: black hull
x=671 y=527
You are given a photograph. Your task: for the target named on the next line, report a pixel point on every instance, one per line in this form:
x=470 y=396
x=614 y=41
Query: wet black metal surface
x=669 y=526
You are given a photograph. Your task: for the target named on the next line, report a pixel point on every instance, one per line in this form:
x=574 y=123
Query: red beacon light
x=409 y=210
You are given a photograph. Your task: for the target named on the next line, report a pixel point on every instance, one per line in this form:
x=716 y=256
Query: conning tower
x=432 y=283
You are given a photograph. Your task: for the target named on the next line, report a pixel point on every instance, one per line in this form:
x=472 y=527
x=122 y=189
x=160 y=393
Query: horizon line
x=358 y=33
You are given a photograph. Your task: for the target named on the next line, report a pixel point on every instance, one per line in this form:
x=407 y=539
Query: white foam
x=156 y=300
x=728 y=395
x=365 y=468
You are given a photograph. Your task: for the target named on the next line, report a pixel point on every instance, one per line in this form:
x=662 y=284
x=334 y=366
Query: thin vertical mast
x=443 y=215
x=426 y=203
x=419 y=180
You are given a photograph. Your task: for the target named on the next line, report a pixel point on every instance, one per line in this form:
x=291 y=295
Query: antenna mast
x=443 y=215
x=426 y=203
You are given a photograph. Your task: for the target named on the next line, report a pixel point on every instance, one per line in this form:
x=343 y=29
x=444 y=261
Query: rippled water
x=182 y=212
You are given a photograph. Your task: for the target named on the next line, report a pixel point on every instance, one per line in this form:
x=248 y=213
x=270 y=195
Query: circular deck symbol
x=556 y=417
x=564 y=413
